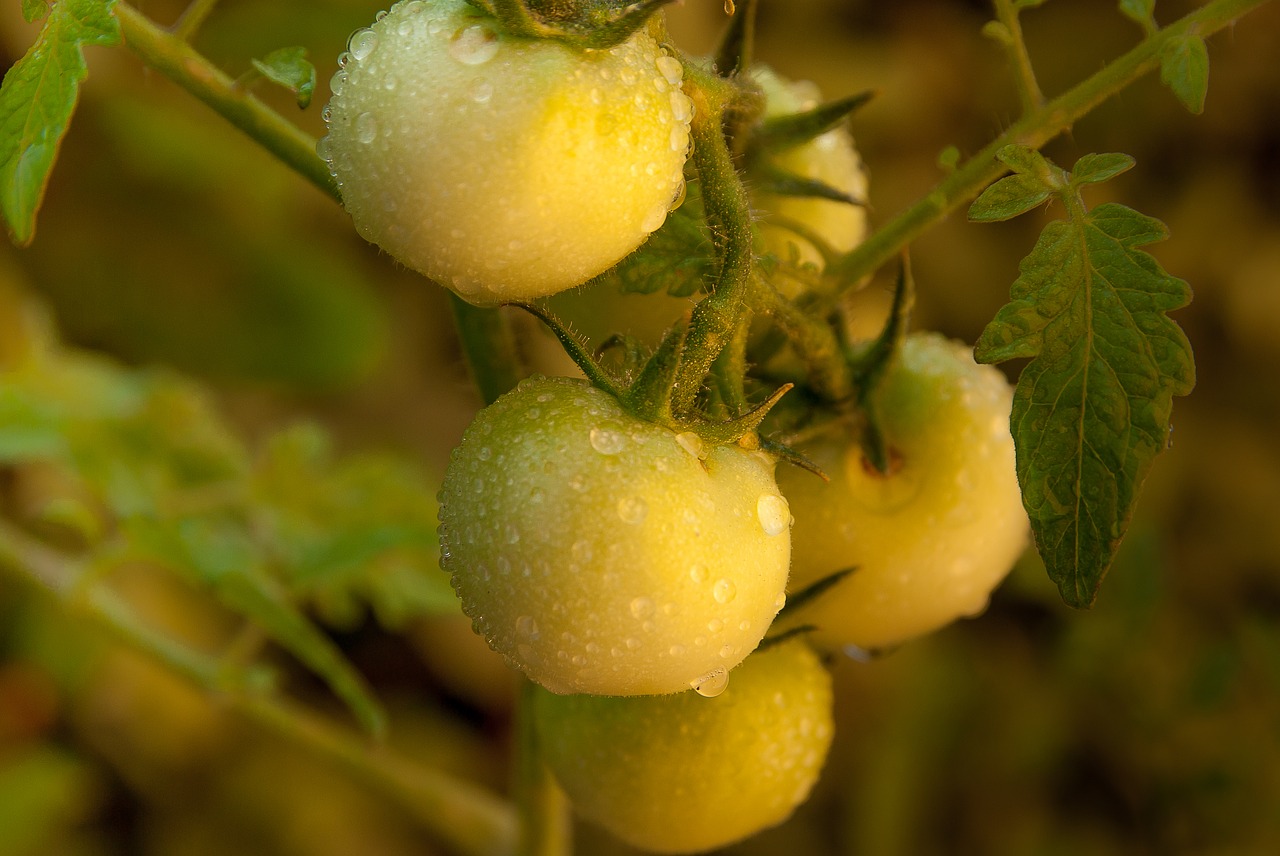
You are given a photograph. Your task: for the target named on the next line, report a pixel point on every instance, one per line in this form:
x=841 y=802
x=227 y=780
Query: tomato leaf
x=1184 y=68
x=1141 y=11
x=1092 y=169
x=1008 y=197
x=34 y=10
x=289 y=67
x=1091 y=410
x=37 y=99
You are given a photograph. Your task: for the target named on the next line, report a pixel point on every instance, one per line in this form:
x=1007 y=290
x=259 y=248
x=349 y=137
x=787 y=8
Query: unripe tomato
x=603 y=554
x=930 y=539
x=503 y=168
x=681 y=773
x=830 y=158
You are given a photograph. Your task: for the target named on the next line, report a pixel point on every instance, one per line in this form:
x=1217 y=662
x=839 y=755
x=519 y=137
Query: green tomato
x=503 y=168
x=830 y=158
x=681 y=773
x=603 y=554
x=930 y=539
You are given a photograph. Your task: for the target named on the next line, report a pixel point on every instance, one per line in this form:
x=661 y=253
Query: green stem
x=814 y=340
x=489 y=347
x=192 y=19
x=168 y=54
x=1028 y=89
x=716 y=316
x=1034 y=129
x=546 y=827
x=465 y=816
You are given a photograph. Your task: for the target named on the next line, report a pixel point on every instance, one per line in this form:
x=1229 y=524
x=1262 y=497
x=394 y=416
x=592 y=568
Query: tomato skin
x=683 y=774
x=503 y=168
x=599 y=554
x=830 y=158
x=930 y=540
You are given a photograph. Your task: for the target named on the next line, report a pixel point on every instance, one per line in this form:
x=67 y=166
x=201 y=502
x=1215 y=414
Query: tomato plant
x=622 y=540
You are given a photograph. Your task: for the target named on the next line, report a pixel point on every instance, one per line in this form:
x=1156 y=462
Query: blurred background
x=1148 y=725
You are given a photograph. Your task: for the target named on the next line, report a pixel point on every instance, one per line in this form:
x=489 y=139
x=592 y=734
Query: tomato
x=933 y=537
x=830 y=158
x=603 y=554
x=681 y=773
x=503 y=168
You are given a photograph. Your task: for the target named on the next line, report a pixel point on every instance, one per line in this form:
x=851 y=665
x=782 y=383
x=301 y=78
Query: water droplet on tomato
x=632 y=509
x=473 y=45
x=676 y=651
x=362 y=43
x=690 y=442
x=527 y=627
x=338 y=82
x=773 y=513
x=724 y=591
x=482 y=92
x=366 y=128
x=728 y=651
x=698 y=573
x=606 y=441
x=642 y=607
x=712 y=684
x=669 y=67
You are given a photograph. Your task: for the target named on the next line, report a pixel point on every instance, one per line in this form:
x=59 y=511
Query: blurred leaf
x=1141 y=11
x=37 y=99
x=42 y=793
x=289 y=67
x=217 y=552
x=1184 y=68
x=1091 y=410
x=34 y=10
x=678 y=258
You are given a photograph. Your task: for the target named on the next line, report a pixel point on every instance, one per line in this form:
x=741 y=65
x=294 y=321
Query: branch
x=468 y=818
x=1034 y=130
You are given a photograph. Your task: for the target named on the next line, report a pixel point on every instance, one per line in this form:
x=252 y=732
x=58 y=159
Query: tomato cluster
x=627 y=556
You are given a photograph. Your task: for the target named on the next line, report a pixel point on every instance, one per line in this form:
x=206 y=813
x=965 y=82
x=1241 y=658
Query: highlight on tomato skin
x=929 y=540
x=503 y=168
x=684 y=774
x=600 y=553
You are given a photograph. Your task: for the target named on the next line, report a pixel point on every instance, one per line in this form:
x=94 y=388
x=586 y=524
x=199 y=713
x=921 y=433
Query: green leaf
x=1142 y=11
x=36 y=102
x=1091 y=169
x=1008 y=197
x=289 y=67
x=34 y=10
x=1027 y=161
x=216 y=551
x=678 y=258
x=1091 y=410
x=1184 y=68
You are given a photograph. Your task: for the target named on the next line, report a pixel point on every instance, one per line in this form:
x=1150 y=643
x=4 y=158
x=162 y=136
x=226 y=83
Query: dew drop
x=642 y=607
x=712 y=684
x=715 y=625
x=676 y=651
x=690 y=441
x=773 y=513
x=473 y=45
x=527 y=627
x=781 y=600
x=632 y=509
x=366 y=128
x=338 y=82
x=670 y=68
x=322 y=144
x=698 y=573
x=657 y=214
x=607 y=442
x=632 y=643
x=724 y=591
x=579 y=660
x=482 y=92
x=728 y=651
x=361 y=44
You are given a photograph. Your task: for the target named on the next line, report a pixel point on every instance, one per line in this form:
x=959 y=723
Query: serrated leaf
x=290 y=68
x=1184 y=68
x=1008 y=197
x=678 y=258
x=1091 y=169
x=37 y=99
x=34 y=10
x=1141 y=11
x=1091 y=410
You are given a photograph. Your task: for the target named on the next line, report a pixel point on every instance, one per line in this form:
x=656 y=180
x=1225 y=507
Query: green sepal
x=735 y=53
x=289 y=67
x=813 y=591
x=722 y=433
x=581 y=23
x=1142 y=12
x=785 y=636
x=576 y=349
x=768 y=178
x=872 y=363
x=795 y=129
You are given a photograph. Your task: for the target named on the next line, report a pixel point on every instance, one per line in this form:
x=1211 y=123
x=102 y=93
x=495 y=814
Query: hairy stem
x=1034 y=129
x=170 y=55
x=465 y=816
x=193 y=18
x=1028 y=90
